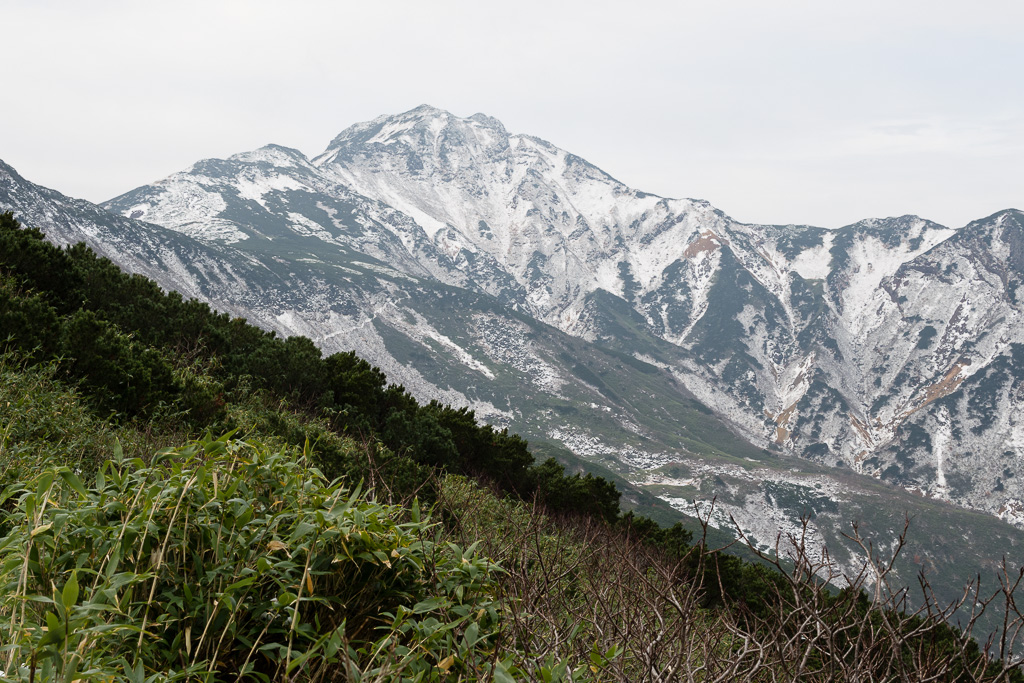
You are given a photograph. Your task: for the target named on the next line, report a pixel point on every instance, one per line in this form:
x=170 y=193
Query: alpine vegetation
x=450 y=403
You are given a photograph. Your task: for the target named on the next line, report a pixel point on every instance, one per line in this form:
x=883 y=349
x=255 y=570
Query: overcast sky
x=785 y=111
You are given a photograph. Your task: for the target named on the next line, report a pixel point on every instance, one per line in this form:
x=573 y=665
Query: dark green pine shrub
x=172 y=364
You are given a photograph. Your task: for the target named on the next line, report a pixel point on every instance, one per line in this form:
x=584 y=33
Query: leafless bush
x=870 y=629
x=583 y=592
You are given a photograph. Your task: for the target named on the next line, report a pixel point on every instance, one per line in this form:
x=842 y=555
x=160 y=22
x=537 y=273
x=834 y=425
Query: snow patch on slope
x=255 y=186
x=814 y=263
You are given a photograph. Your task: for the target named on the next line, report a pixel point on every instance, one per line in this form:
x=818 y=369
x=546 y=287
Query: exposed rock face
x=886 y=346
x=763 y=367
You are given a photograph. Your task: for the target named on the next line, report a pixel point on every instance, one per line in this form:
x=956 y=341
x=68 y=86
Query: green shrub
x=227 y=560
x=173 y=364
x=124 y=375
x=42 y=419
x=27 y=321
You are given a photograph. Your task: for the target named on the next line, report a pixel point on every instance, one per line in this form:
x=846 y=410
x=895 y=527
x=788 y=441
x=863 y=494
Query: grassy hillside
x=186 y=497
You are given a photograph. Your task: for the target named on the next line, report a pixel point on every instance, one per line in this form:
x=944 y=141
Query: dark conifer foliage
x=145 y=356
x=120 y=335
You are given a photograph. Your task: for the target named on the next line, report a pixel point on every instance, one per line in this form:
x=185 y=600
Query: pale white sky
x=790 y=111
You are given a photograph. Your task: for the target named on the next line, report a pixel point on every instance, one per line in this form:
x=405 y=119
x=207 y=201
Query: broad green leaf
x=472 y=634
x=239 y=584
x=300 y=659
x=135 y=674
x=429 y=605
x=72 y=480
x=54 y=630
x=52 y=621
x=42 y=599
x=45 y=482
x=244 y=518
x=501 y=674
x=69 y=596
x=302 y=529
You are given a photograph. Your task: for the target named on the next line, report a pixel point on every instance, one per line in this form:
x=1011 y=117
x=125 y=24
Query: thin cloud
x=994 y=137
x=793 y=111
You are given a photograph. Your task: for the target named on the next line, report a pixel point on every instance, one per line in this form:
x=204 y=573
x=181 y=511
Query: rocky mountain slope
x=779 y=371
x=886 y=347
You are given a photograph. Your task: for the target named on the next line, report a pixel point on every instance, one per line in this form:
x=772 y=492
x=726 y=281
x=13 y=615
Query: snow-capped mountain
x=780 y=371
x=886 y=347
x=171 y=259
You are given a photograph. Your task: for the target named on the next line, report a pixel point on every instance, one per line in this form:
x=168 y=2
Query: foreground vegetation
x=231 y=560
x=187 y=497
x=227 y=559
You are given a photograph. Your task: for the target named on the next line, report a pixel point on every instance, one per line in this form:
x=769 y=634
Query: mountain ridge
x=515 y=217
x=617 y=334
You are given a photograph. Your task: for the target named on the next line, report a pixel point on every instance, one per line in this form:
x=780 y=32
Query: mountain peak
x=486 y=120
x=424 y=126
x=273 y=154
x=427 y=110
x=1001 y=217
x=424 y=137
x=7 y=169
